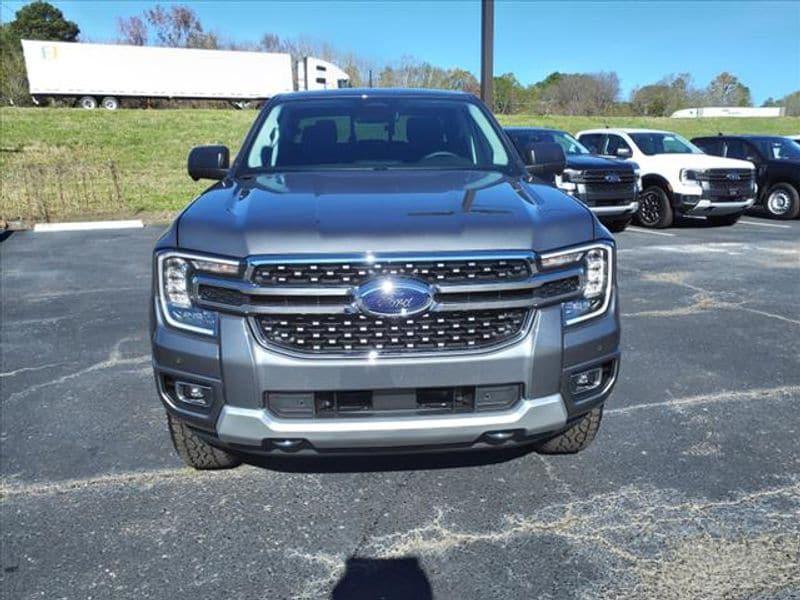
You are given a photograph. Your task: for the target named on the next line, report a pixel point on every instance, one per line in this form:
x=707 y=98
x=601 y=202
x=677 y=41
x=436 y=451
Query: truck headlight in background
x=637 y=173
x=692 y=176
x=175 y=273
x=565 y=180
x=597 y=283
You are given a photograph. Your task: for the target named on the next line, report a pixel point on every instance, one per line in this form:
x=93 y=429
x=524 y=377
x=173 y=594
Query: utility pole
x=487 y=52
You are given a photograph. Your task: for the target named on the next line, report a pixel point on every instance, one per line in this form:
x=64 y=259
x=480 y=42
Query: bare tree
x=132 y=30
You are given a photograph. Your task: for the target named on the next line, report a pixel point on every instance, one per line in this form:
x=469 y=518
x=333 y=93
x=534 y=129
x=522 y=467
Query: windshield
x=778 y=148
x=524 y=138
x=651 y=143
x=370 y=133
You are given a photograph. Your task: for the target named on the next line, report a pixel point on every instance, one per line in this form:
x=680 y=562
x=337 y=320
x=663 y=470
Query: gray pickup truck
x=379 y=271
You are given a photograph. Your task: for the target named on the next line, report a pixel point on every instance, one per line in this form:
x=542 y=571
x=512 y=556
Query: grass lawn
x=59 y=163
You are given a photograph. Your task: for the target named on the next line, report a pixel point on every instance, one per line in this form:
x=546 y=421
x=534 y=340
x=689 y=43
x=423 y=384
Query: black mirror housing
x=209 y=162
x=545 y=158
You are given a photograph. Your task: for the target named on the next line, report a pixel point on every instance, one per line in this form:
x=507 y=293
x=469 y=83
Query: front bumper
x=615 y=211
x=239 y=370
x=692 y=205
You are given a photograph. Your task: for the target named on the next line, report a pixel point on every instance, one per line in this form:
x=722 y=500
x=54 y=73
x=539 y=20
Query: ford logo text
x=394 y=297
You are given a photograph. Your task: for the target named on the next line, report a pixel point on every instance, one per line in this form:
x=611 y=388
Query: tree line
x=591 y=94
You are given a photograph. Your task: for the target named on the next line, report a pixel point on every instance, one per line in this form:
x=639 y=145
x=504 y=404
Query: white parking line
x=640 y=230
x=743 y=222
x=88 y=226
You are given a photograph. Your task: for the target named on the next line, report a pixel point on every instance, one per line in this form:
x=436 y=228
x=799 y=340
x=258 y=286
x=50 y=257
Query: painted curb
x=87 y=226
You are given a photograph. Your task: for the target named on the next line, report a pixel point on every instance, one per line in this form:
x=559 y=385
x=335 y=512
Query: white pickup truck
x=677 y=177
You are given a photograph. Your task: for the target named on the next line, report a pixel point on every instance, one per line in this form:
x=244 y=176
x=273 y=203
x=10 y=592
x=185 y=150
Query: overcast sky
x=642 y=41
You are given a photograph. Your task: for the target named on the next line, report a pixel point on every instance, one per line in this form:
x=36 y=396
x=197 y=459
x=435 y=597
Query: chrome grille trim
x=364 y=266
x=338 y=302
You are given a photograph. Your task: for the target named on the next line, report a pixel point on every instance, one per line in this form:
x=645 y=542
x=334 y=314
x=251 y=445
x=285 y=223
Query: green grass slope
x=58 y=163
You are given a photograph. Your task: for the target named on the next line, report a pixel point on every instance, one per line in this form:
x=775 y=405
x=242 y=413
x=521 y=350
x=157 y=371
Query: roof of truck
x=624 y=130
x=378 y=92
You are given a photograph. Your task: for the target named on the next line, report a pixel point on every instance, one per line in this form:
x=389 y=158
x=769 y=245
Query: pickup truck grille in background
x=598 y=176
x=355 y=273
x=429 y=332
x=727 y=184
x=595 y=190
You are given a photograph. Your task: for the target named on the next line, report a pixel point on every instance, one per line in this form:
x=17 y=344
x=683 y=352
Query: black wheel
x=195 y=452
x=617 y=225
x=654 y=208
x=577 y=437
x=724 y=220
x=782 y=201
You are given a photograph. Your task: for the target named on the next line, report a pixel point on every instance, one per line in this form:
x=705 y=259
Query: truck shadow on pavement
x=340 y=463
x=385 y=578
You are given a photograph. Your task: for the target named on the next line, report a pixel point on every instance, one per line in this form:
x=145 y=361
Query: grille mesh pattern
x=599 y=177
x=353 y=334
x=347 y=274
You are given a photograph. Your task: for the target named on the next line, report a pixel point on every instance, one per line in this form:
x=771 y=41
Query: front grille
x=721 y=175
x=727 y=184
x=356 y=334
x=355 y=273
x=598 y=177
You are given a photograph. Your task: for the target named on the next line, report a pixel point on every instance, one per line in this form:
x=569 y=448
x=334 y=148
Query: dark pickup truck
x=608 y=187
x=777 y=162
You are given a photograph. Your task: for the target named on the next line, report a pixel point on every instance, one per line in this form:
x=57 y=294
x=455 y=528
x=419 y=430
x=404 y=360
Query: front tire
x=654 y=208
x=196 y=452
x=724 y=220
x=577 y=437
x=782 y=201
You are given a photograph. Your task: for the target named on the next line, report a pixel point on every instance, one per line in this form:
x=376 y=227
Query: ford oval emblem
x=733 y=177
x=612 y=178
x=394 y=297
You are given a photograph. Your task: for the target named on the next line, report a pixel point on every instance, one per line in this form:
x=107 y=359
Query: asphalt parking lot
x=692 y=488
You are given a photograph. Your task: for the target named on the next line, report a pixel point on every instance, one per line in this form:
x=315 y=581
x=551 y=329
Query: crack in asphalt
x=703 y=300
x=28 y=369
x=115 y=359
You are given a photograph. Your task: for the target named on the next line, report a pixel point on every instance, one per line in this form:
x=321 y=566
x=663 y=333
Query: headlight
x=598 y=262
x=692 y=175
x=564 y=181
x=175 y=273
x=637 y=174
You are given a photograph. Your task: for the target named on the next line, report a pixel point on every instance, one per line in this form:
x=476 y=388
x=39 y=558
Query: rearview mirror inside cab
x=209 y=162
x=545 y=158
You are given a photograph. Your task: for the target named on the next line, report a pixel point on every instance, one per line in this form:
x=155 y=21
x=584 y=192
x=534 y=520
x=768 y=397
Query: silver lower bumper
x=253 y=426
x=709 y=207
x=615 y=211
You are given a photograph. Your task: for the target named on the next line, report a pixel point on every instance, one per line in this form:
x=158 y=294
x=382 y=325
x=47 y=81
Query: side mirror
x=209 y=162
x=545 y=158
x=623 y=152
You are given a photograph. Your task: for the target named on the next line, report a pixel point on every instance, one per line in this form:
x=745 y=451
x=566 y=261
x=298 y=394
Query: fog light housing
x=585 y=381
x=194 y=394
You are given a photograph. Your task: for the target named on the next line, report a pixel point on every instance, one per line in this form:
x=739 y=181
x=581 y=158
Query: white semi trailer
x=104 y=73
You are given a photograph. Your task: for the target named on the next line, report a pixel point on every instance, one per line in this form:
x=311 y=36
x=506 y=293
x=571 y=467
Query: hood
x=698 y=161
x=590 y=161
x=381 y=211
